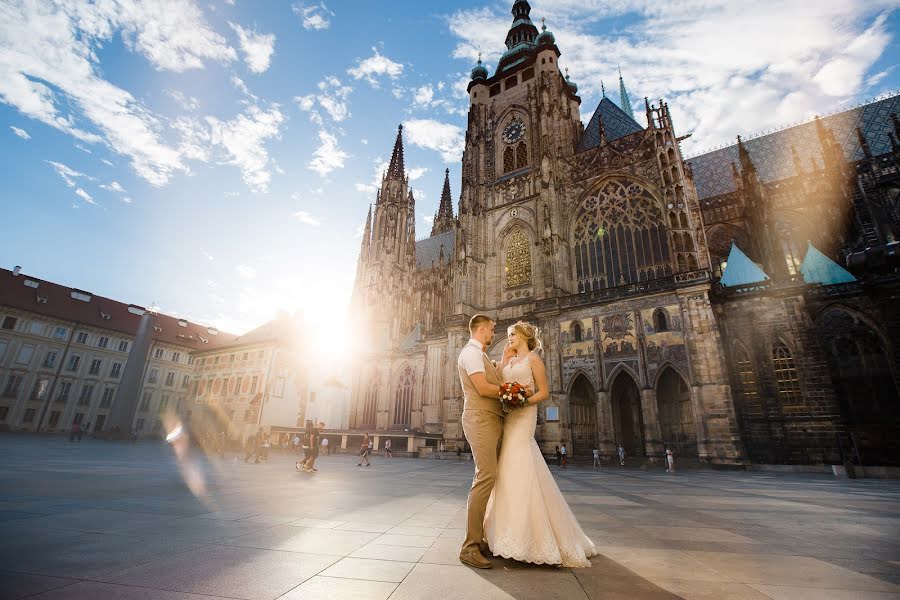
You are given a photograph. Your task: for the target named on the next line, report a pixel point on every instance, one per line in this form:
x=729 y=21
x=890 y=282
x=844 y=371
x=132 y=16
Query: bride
x=527 y=518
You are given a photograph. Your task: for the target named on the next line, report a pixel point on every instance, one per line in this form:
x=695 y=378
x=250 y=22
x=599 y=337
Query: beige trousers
x=484 y=431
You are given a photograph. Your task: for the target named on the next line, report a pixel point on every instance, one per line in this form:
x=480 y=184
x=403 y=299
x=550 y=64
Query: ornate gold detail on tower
x=518 y=260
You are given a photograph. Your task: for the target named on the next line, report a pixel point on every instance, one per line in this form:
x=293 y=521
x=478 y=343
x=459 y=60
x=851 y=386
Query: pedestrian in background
x=558 y=457
x=621 y=452
x=565 y=455
x=364 y=449
x=596 y=458
x=387 y=449
x=670 y=461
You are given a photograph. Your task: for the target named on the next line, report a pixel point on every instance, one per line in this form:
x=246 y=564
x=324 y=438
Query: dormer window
x=31 y=283
x=79 y=295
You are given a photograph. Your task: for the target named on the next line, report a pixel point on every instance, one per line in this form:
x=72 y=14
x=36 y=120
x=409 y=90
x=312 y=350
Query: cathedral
x=697 y=305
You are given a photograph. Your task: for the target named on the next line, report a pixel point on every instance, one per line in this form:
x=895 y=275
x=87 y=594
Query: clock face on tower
x=514 y=131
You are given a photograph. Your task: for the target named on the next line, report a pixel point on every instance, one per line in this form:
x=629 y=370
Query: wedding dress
x=527 y=518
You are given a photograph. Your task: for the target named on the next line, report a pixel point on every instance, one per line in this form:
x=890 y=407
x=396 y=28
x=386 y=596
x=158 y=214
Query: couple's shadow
x=605 y=579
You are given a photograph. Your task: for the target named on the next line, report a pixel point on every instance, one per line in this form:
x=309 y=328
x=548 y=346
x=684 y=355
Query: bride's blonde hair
x=529 y=333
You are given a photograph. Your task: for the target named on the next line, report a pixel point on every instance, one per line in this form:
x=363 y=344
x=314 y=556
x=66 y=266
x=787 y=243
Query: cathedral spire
x=443 y=219
x=623 y=96
x=396 y=170
x=747 y=165
x=864 y=144
x=522 y=30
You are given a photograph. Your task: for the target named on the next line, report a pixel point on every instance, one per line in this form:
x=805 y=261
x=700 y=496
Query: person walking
x=387 y=449
x=314 y=446
x=670 y=461
x=308 y=435
x=325 y=449
x=620 y=451
x=364 y=451
x=296 y=443
x=596 y=458
x=558 y=457
x=458 y=453
x=75 y=432
x=565 y=456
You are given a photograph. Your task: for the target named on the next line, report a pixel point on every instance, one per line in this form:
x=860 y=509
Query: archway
x=628 y=420
x=676 y=415
x=583 y=416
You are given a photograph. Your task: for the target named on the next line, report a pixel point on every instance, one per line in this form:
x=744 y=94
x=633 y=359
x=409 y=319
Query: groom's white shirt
x=471 y=357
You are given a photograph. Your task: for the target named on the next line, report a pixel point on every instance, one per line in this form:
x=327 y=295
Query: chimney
x=16 y=270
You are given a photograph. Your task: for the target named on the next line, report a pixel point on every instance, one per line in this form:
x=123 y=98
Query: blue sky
x=216 y=159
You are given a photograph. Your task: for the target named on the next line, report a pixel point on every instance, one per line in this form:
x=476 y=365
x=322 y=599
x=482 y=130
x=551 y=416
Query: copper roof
x=53 y=300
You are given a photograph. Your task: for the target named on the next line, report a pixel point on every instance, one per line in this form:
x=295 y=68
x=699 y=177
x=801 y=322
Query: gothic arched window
x=404 y=397
x=576 y=331
x=518 y=260
x=370 y=407
x=786 y=374
x=521 y=155
x=509 y=159
x=660 y=320
x=750 y=404
x=620 y=237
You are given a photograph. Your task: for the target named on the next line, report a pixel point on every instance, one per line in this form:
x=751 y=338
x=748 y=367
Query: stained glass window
x=518 y=260
x=786 y=374
x=509 y=159
x=521 y=155
x=749 y=392
x=620 y=237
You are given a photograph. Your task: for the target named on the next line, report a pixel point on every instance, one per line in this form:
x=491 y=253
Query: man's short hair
x=476 y=321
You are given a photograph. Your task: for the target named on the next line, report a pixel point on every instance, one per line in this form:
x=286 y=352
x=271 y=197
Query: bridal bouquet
x=512 y=396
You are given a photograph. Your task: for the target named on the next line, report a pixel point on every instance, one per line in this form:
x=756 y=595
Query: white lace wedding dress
x=527 y=518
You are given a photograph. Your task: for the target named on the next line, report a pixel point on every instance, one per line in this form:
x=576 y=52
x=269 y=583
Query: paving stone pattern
x=103 y=520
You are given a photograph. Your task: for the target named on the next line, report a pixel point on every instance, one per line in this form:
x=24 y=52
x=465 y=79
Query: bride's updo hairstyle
x=529 y=333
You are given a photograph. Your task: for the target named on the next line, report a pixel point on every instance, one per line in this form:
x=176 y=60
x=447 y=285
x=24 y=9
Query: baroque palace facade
x=693 y=304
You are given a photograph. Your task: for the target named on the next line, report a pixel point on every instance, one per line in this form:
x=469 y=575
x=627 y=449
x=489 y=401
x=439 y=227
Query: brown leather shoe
x=474 y=558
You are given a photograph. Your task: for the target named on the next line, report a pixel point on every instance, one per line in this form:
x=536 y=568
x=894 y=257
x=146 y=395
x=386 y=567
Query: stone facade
x=598 y=236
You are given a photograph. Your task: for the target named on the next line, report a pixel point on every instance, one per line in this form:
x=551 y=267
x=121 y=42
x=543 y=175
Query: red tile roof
x=56 y=301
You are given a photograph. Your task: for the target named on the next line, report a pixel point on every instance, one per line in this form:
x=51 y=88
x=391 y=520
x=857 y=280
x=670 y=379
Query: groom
x=482 y=421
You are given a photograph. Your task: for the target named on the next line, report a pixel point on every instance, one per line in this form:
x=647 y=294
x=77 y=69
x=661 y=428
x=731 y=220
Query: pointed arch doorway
x=583 y=414
x=676 y=414
x=628 y=419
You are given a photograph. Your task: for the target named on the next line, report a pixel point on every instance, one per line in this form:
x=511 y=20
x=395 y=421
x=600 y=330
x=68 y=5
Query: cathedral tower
x=522 y=119
x=387 y=257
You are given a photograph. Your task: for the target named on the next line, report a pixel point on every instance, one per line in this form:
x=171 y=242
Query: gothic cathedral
x=599 y=236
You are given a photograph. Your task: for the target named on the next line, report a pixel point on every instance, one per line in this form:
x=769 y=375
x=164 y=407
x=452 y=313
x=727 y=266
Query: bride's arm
x=540 y=379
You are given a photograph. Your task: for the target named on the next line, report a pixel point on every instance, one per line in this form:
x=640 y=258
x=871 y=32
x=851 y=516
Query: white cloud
x=316 y=16
x=424 y=95
x=127 y=200
x=20 y=132
x=186 y=102
x=84 y=196
x=257 y=47
x=374 y=67
x=328 y=156
x=717 y=83
x=242 y=141
x=207 y=255
x=429 y=219
x=83 y=149
x=333 y=98
x=49 y=70
x=364 y=142
x=245 y=271
x=107 y=162
x=307 y=218
x=417 y=172
x=68 y=174
x=114 y=186
x=435 y=135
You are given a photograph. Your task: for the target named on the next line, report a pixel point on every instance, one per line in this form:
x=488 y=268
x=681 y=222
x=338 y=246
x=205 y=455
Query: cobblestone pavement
x=106 y=520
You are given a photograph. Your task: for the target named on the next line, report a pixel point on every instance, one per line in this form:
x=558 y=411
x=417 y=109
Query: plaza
x=96 y=520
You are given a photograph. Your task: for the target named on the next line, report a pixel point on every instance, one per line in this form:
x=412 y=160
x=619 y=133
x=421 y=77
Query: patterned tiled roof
x=616 y=124
x=428 y=251
x=772 y=153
